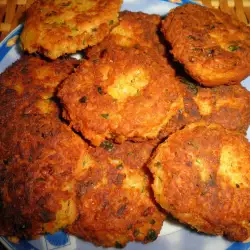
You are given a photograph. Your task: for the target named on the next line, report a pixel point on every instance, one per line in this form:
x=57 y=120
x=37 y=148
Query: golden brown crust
x=38 y=153
x=135 y=29
x=202 y=177
x=66 y=26
x=213 y=46
x=115 y=200
x=228 y=106
x=126 y=94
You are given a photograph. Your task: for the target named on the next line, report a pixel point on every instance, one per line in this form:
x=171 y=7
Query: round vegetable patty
x=202 y=177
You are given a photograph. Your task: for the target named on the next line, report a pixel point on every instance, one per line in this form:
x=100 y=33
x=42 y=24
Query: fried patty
x=115 y=200
x=135 y=29
x=126 y=94
x=213 y=46
x=66 y=26
x=228 y=106
x=202 y=177
x=39 y=155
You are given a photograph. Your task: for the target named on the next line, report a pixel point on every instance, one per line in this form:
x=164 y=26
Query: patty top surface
x=38 y=153
x=117 y=96
x=213 y=46
x=65 y=26
x=224 y=105
x=135 y=29
x=202 y=177
x=114 y=196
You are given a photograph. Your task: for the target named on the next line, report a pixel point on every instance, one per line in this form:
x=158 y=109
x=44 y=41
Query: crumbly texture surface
x=135 y=29
x=38 y=153
x=117 y=96
x=213 y=46
x=66 y=26
x=228 y=106
x=202 y=177
x=115 y=199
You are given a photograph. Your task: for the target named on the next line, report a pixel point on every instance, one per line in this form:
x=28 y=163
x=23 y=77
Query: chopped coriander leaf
x=107 y=145
x=8 y=160
x=30 y=158
x=106 y=116
x=111 y=22
x=233 y=48
x=152 y=222
x=119 y=167
x=136 y=232
x=191 y=86
x=40 y=179
x=198 y=161
x=118 y=244
x=83 y=99
x=66 y=4
x=191 y=37
x=158 y=164
x=151 y=235
x=99 y=89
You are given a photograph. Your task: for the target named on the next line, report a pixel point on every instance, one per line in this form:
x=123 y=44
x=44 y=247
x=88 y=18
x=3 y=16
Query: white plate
x=173 y=236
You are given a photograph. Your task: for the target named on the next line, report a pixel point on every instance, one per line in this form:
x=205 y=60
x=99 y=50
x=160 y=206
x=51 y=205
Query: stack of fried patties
x=106 y=147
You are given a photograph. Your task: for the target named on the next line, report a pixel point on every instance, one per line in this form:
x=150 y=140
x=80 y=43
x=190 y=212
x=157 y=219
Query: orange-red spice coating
x=114 y=197
x=202 y=177
x=213 y=46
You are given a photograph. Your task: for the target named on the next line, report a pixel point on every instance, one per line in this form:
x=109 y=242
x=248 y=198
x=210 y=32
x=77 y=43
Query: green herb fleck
x=118 y=244
x=66 y=4
x=24 y=70
x=40 y=179
x=130 y=153
x=191 y=37
x=210 y=52
x=83 y=42
x=107 y=145
x=106 y=116
x=83 y=99
x=191 y=86
x=30 y=158
x=94 y=29
x=152 y=222
x=158 y=164
x=129 y=226
x=8 y=160
x=119 y=167
x=95 y=60
x=211 y=181
x=111 y=22
x=99 y=89
x=151 y=235
x=84 y=163
x=198 y=161
x=233 y=48
x=121 y=210
x=136 y=232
